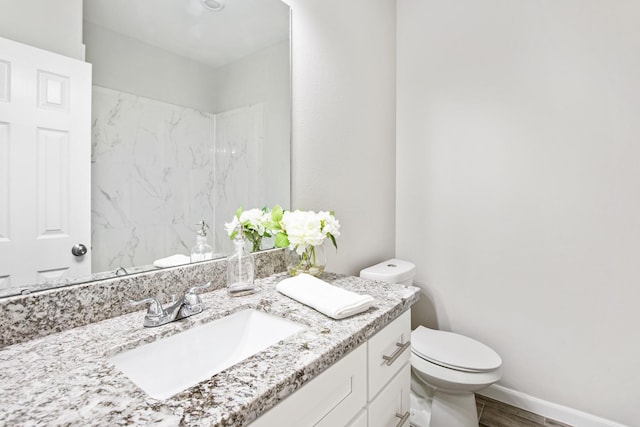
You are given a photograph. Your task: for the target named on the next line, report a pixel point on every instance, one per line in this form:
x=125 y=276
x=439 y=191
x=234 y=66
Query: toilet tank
x=391 y=271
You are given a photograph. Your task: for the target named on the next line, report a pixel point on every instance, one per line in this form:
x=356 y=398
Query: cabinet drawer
x=331 y=399
x=391 y=407
x=388 y=350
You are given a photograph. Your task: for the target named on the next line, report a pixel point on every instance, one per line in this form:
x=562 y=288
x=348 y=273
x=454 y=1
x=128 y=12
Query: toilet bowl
x=446 y=368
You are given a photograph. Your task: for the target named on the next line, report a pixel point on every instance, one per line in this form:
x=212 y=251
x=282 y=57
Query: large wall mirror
x=190 y=119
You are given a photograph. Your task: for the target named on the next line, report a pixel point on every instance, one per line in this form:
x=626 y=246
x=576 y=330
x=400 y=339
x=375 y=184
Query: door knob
x=79 y=249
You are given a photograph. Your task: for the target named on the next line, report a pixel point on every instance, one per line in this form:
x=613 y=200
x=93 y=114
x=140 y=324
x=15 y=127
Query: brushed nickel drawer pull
x=403 y=418
x=401 y=347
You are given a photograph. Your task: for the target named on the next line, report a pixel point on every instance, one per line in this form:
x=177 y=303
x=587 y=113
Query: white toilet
x=446 y=368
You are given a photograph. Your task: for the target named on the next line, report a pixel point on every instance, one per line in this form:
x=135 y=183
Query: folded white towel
x=327 y=299
x=171 y=261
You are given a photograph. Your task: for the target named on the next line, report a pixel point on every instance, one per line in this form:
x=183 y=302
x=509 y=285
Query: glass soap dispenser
x=202 y=251
x=240 y=268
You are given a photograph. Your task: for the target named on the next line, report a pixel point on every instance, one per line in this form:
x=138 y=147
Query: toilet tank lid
x=390 y=271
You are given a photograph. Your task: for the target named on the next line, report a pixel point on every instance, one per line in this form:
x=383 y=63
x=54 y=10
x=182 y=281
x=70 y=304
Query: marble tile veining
x=65 y=378
x=176 y=166
x=164 y=155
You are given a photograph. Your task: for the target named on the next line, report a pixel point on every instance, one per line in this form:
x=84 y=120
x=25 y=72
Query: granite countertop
x=66 y=379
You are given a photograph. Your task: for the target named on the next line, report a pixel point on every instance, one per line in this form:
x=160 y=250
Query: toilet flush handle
x=401 y=347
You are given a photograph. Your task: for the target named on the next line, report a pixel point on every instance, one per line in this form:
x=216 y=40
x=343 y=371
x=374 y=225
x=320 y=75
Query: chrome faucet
x=186 y=306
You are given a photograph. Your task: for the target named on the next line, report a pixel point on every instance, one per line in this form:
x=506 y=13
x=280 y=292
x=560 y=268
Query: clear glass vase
x=240 y=269
x=312 y=261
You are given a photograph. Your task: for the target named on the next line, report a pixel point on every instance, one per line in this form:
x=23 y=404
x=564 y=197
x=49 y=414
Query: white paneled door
x=45 y=165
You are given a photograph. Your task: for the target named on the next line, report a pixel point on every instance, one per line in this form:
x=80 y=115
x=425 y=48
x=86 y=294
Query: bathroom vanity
x=349 y=372
x=368 y=387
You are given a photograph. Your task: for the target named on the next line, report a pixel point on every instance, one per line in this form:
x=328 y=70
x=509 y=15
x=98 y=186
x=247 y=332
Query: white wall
x=344 y=123
x=518 y=186
x=51 y=25
x=128 y=65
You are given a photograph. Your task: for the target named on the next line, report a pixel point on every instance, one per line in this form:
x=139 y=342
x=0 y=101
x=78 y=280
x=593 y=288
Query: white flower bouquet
x=304 y=233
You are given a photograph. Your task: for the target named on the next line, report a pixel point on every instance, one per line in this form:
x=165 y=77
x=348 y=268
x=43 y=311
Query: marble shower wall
x=239 y=162
x=159 y=168
x=152 y=178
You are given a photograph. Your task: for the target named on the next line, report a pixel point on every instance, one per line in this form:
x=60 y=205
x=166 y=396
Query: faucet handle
x=193 y=299
x=195 y=288
x=155 y=309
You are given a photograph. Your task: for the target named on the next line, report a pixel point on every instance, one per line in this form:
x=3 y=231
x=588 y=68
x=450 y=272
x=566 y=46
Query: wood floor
x=492 y=413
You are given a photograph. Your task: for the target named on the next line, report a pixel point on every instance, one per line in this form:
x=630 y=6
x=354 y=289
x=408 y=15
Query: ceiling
x=186 y=28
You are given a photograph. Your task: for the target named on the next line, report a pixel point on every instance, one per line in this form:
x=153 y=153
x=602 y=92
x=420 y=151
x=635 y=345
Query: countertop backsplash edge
x=25 y=317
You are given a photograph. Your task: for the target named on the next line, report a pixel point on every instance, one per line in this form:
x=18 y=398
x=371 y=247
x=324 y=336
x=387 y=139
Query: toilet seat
x=453 y=351
x=451 y=380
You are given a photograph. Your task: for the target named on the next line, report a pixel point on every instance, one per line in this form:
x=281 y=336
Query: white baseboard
x=546 y=409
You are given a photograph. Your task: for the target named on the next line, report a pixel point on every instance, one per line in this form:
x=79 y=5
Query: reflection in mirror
x=190 y=120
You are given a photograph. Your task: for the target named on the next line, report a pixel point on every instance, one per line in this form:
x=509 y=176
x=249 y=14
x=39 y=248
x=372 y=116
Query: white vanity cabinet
x=368 y=387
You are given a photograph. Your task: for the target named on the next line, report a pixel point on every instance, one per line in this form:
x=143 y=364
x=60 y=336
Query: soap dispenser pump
x=240 y=267
x=202 y=251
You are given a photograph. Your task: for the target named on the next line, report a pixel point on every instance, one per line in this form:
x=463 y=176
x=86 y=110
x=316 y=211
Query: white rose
x=303 y=229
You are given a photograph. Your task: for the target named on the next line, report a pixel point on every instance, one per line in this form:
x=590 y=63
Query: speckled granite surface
x=66 y=379
x=25 y=317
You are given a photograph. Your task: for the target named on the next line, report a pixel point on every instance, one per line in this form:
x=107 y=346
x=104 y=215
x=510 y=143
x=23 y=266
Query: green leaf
x=272 y=226
x=282 y=241
x=333 y=240
x=277 y=213
x=239 y=212
x=233 y=234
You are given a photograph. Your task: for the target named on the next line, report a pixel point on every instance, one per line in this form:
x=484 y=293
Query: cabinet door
x=391 y=407
x=331 y=399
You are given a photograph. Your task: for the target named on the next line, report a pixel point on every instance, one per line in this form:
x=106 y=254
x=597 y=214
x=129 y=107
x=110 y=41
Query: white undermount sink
x=173 y=364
